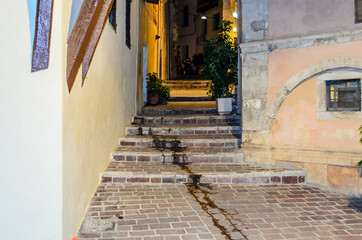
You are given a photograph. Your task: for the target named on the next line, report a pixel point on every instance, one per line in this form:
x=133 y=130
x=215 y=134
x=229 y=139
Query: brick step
x=186 y=119
x=210 y=155
x=189 y=81
x=163 y=111
x=242 y=173
x=198 y=141
x=210 y=129
x=190 y=99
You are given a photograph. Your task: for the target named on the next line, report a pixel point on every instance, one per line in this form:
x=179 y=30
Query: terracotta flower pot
x=153 y=99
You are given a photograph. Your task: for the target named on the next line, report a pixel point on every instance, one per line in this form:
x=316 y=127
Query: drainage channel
x=195 y=188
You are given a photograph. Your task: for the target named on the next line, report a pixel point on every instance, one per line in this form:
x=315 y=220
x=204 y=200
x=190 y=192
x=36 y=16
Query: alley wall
x=95 y=116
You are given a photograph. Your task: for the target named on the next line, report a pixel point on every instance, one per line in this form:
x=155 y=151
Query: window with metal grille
x=344 y=95
x=128 y=23
x=358 y=10
x=186 y=16
x=112 y=16
x=216 y=21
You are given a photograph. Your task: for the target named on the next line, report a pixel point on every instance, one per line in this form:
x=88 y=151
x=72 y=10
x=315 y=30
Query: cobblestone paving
x=255 y=212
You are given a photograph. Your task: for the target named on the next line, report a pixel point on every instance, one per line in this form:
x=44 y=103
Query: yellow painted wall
x=30 y=130
x=148 y=29
x=96 y=115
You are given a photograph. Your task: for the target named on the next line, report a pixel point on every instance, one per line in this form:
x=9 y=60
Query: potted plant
x=221 y=66
x=156 y=89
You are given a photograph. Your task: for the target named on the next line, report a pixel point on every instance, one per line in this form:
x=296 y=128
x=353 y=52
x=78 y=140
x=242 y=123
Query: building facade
x=68 y=117
x=301 y=87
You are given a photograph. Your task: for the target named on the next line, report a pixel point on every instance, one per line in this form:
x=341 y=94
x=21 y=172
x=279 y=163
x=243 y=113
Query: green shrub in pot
x=156 y=89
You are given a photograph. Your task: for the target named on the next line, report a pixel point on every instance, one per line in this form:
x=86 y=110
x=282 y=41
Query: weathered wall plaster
x=302 y=17
x=280 y=68
x=255 y=20
x=31 y=123
x=296 y=124
x=96 y=115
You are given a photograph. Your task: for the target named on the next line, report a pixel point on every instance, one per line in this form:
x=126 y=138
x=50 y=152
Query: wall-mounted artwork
x=41 y=36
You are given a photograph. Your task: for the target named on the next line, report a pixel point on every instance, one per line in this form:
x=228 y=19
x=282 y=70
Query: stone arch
x=325 y=66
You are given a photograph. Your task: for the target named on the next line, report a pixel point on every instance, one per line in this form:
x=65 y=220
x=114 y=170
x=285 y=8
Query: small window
x=112 y=16
x=186 y=16
x=358 y=11
x=128 y=23
x=216 y=20
x=344 y=95
x=204 y=26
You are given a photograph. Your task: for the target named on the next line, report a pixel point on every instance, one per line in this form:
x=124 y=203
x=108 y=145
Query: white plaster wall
x=30 y=131
x=96 y=115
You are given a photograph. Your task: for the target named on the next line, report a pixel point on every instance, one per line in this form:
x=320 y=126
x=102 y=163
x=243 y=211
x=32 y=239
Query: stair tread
x=147 y=168
x=211 y=125
x=184 y=137
x=193 y=151
x=187 y=116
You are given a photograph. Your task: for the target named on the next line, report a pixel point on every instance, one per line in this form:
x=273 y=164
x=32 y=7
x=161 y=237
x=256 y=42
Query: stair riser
x=179 y=111
x=132 y=131
x=179 y=87
x=239 y=179
x=225 y=158
x=232 y=119
x=227 y=143
x=190 y=99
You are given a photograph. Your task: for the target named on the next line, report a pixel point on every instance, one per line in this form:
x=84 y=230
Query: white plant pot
x=224 y=106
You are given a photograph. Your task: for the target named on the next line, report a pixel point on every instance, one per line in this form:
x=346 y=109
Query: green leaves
x=360 y=132
x=221 y=59
x=155 y=86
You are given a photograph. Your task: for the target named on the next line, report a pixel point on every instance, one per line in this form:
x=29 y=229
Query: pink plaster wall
x=283 y=64
x=296 y=124
x=289 y=18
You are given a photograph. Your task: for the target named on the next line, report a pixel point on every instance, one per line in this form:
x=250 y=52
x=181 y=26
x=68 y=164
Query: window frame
x=215 y=26
x=321 y=95
x=358 y=19
x=185 y=18
x=334 y=83
x=128 y=23
x=112 y=17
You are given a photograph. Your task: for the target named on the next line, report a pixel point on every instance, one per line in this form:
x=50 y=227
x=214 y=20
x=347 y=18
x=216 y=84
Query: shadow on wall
x=356 y=204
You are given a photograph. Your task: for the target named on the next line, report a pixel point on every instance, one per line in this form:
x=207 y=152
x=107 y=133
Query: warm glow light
x=203 y=17
x=235 y=15
x=234 y=29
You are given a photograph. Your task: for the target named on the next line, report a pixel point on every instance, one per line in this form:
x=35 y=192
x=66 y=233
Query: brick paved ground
x=175 y=211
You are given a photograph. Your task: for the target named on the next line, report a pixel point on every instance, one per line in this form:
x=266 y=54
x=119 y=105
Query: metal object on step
x=175 y=144
x=139 y=131
x=195 y=178
x=150 y=131
x=159 y=144
x=178 y=158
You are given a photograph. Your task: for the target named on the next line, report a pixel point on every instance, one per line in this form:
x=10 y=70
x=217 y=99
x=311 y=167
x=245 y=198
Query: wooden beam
x=43 y=28
x=95 y=38
x=82 y=36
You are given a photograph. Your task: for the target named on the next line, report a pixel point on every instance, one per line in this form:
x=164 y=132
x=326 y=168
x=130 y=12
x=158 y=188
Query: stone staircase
x=171 y=156
x=176 y=148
